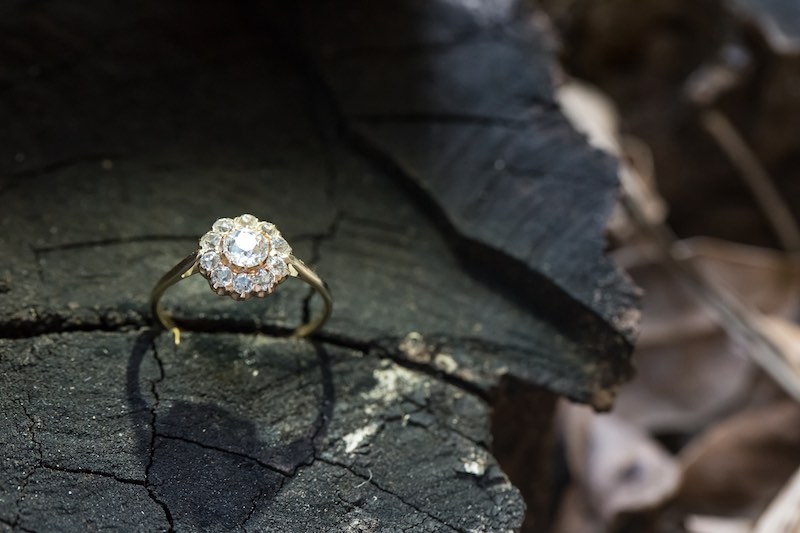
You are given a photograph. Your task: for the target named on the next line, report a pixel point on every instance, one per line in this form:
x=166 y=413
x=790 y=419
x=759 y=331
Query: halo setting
x=243 y=257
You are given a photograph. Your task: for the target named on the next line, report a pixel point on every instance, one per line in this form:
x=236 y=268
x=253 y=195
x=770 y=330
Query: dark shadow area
x=217 y=480
x=523 y=443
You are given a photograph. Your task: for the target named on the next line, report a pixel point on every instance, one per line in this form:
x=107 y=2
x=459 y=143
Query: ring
x=242 y=258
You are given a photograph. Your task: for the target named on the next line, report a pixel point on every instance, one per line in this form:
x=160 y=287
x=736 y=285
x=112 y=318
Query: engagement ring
x=242 y=258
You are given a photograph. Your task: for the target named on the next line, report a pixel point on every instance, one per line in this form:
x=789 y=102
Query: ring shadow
x=213 y=487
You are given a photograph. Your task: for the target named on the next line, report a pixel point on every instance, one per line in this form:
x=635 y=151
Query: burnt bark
x=458 y=220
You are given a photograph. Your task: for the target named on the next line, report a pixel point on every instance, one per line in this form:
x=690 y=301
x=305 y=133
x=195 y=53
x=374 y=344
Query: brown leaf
x=768 y=279
x=689 y=371
x=617 y=468
x=783 y=514
x=785 y=335
x=741 y=463
x=717 y=524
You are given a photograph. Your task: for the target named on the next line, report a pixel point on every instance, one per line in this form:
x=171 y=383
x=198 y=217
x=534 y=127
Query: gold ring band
x=242 y=258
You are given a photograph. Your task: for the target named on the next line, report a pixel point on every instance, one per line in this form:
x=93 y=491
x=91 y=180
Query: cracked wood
x=142 y=124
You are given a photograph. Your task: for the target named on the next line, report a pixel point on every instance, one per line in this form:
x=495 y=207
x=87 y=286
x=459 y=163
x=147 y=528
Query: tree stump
x=412 y=153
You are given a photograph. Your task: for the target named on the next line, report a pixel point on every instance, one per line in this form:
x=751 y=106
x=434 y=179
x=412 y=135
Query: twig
x=755 y=177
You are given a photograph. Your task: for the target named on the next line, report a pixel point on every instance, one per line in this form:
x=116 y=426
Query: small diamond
x=248 y=221
x=223 y=225
x=210 y=241
x=281 y=247
x=278 y=267
x=242 y=284
x=263 y=280
x=269 y=228
x=246 y=248
x=209 y=260
x=221 y=277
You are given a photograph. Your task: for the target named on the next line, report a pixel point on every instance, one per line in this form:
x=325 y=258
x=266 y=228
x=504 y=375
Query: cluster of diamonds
x=243 y=257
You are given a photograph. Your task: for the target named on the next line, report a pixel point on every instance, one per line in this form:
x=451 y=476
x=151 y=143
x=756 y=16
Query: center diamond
x=246 y=248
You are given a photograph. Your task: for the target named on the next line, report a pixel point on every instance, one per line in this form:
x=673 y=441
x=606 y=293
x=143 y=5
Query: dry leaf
x=785 y=335
x=689 y=371
x=767 y=279
x=716 y=524
x=617 y=468
x=783 y=513
x=740 y=464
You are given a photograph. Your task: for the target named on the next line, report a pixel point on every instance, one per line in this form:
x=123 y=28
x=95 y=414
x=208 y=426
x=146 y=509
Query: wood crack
x=55 y=323
x=254 y=506
x=92 y=472
x=259 y=462
x=375 y=347
x=41 y=463
x=442 y=118
x=56 y=166
x=371 y=481
x=152 y=445
x=115 y=241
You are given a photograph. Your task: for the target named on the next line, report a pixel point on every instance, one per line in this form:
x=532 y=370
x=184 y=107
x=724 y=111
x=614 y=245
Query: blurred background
x=701 y=101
